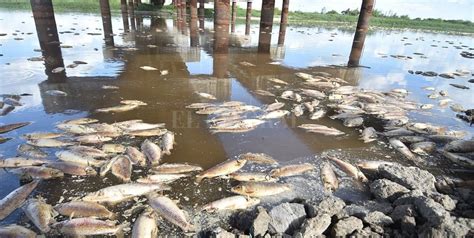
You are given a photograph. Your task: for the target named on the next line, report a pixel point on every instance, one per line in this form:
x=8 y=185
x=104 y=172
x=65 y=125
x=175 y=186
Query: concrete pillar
x=283 y=22
x=201 y=14
x=266 y=24
x=234 y=16
x=106 y=22
x=46 y=29
x=136 y=2
x=248 y=17
x=221 y=38
x=361 y=31
x=131 y=11
x=123 y=7
x=193 y=27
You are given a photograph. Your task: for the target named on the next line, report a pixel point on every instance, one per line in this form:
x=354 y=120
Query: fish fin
x=199 y=179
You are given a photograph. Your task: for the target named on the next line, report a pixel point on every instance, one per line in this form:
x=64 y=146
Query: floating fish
x=260 y=189
x=15 y=199
x=166 y=208
x=224 y=168
x=231 y=203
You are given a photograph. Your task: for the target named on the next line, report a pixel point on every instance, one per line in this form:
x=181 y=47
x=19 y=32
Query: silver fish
x=16 y=231
x=145 y=225
x=152 y=151
x=231 y=203
x=224 y=168
x=167 y=142
x=15 y=199
x=88 y=227
x=349 y=169
x=136 y=157
x=329 y=178
x=122 y=192
x=166 y=208
x=84 y=209
x=31 y=151
x=40 y=213
x=260 y=189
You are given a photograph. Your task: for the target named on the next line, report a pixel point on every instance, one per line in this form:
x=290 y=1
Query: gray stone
x=221 y=233
x=315 y=226
x=386 y=189
x=410 y=177
x=401 y=211
x=408 y=225
x=444 y=185
x=346 y=226
x=286 y=217
x=330 y=205
x=447 y=202
x=371 y=205
x=377 y=229
x=378 y=218
x=432 y=211
x=364 y=234
x=408 y=198
x=353 y=210
x=260 y=224
x=451 y=228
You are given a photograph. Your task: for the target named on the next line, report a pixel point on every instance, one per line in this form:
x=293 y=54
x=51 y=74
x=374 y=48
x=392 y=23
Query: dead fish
x=199 y=105
x=16 y=231
x=148 y=68
x=459 y=159
x=107 y=130
x=40 y=213
x=80 y=121
x=110 y=87
x=107 y=165
x=457 y=107
x=176 y=168
x=21 y=162
x=11 y=127
x=206 y=96
x=93 y=139
x=37 y=172
x=147 y=133
x=79 y=62
x=224 y=168
x=259 y=158
x=369 y=134
x=3 y=140
x=73 y=168
x=122 y=192
x=15 y=199
x=12 y=102
x=444 y=102
x=89 y=227
x=41 y=135
x=30 y=151
x=349 y=169
x=290 y=95
x=274 y=106
x=274 y=114
x=88 y=151
x=328 y=177
x=426 y=106
x=84 y=209
x=133 y=102
x=119 y=108
x=122 y=168
x=260 y=189
x=44 y=142
x=167 y=142
x=313 y=93
x=152 y=152
x=305 y=76
x=459 y=86
x=145 y=225
x=317 y=114
x=291 y=170
x=74 y=157
x=398 y=132
x=402 y=148
x=353 y=122
x=166 y=208
x=113 y=148
x=56 y=93
x=238 y=126
x=252 y=176
x=320 y=129
x=298 y=110
x=460 y=146
x=244 y=63
x=322 y=85
x=264 y=93
x=137 y=126
x=412 y=139
x=372 y=165
x=57 y=70
x=76 y=129
x=279 y=81
x=423 y=148
x=136 y=157
x=161 y=178
x=231 y=203
x=7 y=110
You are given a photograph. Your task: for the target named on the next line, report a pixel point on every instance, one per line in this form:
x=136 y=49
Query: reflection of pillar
x=136 y=2
x=201 y=14
x=123 y=7
x=131 y=8
x=283 y=22
x=178 y=14
x=193 y=27
x=43 y=14
x=221 y=38
x=234 y=16
x=361 y=31
x=106 y=22
x=266 y=23
x=248 y=16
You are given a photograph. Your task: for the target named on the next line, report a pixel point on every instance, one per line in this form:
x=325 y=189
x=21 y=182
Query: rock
x=365 y=233
x=386 y=189
x=330 y=205
x=346 y=226
x=410 y=177
x=432 y=211
x=451 y=228
x=444 y=185
x=378 y=218
x=260 y=224
x=362 y=209
x=315 y=226
x=286 y=217
x=448 y=203
x=242 y=220
x=372 y=206
x=377 y=229
x=221 y=233
x=408 y=225
x=401 y=211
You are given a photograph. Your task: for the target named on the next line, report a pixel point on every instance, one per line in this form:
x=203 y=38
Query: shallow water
x=200 y=69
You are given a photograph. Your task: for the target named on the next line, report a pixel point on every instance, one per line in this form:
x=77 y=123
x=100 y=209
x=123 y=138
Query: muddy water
x=200 y=69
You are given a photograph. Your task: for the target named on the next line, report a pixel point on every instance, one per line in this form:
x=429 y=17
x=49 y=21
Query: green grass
x=295 y=18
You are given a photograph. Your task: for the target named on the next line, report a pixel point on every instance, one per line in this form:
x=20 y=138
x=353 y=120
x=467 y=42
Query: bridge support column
x=361 y=31
x=201 y=14
x=266 y=24
x=193 y=27
x=123 y=8
x=283 y=22
x=221 y=37
x=234 y=16
x=106 y=22
x=248 y=17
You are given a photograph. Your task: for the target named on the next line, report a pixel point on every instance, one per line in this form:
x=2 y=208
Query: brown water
x=201 y=69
